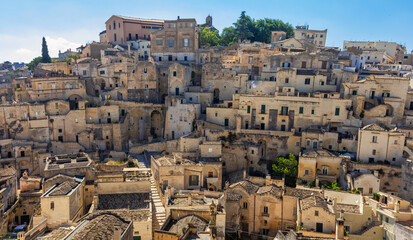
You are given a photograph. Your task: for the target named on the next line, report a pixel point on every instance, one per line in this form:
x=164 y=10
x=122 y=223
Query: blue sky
x=68 y=24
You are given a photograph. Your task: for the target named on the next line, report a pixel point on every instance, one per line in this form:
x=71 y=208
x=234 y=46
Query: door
x=177 y=91
x=303 y=64
x=372 y=94
x=315 y=145
x=107 y=145
x=319 y=227
x=282 y=127
x=324 y=65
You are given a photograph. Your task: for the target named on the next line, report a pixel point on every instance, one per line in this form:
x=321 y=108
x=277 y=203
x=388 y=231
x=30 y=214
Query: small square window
x=316 y=213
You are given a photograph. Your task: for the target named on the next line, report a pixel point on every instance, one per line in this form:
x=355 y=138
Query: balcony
x=326 y=178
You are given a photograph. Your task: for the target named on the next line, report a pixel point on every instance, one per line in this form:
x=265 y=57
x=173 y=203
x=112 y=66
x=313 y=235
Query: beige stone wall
x=389 y=146
x=309 y=219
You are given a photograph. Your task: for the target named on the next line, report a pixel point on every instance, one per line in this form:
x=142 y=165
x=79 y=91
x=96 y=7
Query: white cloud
x=59 y=43
x=17 y=48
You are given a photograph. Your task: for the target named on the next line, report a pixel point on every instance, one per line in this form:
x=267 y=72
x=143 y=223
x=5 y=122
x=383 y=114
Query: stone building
x=318 y=37
x=177 y=41
x=120 y=29
x=319 y=166
x=8 y=196
x=390 y=48
x=183 y=174
x=376 y=143
x=64 y=201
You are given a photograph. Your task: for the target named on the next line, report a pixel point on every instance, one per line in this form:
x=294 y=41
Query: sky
x=69 y=24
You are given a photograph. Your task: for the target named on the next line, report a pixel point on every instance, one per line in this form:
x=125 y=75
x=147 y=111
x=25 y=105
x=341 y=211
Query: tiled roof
x=272 y=189
x=200 y=223
x=301 y=193
x=123 y=201
x=246 y=185
x=64 y=188
x=6 y=172
x=318 y=152
x=100 y=228
x=348 y=208
x=374 y=127
x=314 y=201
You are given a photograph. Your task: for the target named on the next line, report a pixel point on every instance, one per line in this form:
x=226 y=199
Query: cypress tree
x=45 y=52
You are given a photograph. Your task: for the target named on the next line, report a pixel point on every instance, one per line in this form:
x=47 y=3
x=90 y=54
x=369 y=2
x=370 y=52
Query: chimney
x=189 y=200
x=117 y=232
x=340 y=227
x=397 y=206
x=178 y=17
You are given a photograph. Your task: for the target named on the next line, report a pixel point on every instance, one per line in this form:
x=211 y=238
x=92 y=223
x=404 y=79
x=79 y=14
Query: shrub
x=376 y=196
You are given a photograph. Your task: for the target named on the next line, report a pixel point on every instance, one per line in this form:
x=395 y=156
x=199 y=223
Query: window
x=60 y=130
x=284 y=111
x=114 y=25
x=373 y=152
x=316 y=213
x=40 y=87
x=174 y=74
x=56 y=105
x=307 y=81
x=130 y=36
x=306 y=172
x=136 y=36
x=171 y=43
x=286 y=80
x=301 y=110
x=102 y=72
x=336 y=66
x=374 y=139
x=159 y=42
x=52 y=205
x=84 y=72
x=322 y=83
x=226 y=123
x=185 y=42
x=325 y=171
x=265 y=209
x=250 y=60
x=262 y=109
x=395 y=141
x=245 y=205
x=210 y=150
x=114 y=37
x=312 y=111
x=193 y=180
x=337 y=113
x=146 y=86
x=354 y=92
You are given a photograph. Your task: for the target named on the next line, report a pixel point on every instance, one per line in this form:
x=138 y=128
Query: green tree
x=286 y=167
x=208 y=37
x=263 y=27
x=33 y=64
x=244 y=27
x=228 y=36
x=45 y=52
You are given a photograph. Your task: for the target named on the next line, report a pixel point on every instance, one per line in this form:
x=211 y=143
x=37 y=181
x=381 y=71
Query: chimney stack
x=340 y=227
x=117 y=232
x=397 y=206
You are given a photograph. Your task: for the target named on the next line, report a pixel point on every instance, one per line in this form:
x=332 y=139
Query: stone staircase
x=158 y=210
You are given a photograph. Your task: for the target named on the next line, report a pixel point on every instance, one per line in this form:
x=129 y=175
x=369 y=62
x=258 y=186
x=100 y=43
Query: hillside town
x=153 y=132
